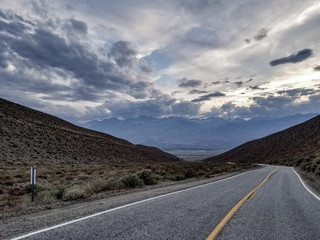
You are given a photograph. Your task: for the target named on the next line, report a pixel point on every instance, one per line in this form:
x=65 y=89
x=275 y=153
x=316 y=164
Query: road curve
x=281 y=209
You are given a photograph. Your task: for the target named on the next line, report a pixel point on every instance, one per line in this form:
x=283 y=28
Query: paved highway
x=281 y=208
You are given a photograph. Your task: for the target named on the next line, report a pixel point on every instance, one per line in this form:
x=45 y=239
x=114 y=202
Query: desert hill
x=300 y=143
x=29 y=136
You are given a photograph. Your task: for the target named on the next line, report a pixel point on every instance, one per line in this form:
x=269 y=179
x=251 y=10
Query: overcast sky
x=85 y=60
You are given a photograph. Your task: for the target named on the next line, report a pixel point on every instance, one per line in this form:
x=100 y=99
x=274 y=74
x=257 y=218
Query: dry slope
x=29 y=136
x=286 y=147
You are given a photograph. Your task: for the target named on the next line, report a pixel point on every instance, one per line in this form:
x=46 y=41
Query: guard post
x=33 y=181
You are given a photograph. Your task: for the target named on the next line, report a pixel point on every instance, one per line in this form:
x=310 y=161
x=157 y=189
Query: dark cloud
x=215 y=82
x=294 y=58
x=226 y=80
x=144 y=66
x=266 y=106
x=79 y=26
x=195 y=91
x=123 y=54
x=262 y=33
x=316 y=68
x=184 y=108
x=239 y=83
x=208 y=97
x=184 y=82
x=160 y=106
x=40 y=56
x=255 y=87
x=272 y=102
x=297 y=92
x=45 y=49
x=13 y=24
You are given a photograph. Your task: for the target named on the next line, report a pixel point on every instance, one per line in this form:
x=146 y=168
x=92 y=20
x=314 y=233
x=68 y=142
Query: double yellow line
x=227 y=218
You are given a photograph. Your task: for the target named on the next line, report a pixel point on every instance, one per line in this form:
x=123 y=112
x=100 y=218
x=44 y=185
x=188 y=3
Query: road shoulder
x=17 y=225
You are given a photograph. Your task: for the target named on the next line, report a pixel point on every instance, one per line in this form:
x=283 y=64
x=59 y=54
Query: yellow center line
x=252 y=196
x=227 y=218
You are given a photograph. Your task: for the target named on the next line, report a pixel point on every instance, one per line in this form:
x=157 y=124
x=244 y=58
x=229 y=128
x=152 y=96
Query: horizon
x=84 y=61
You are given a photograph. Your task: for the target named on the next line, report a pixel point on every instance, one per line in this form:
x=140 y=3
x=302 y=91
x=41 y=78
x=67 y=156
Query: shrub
x=60 y=192
x=299 y=162
x=148 y=178
x=112 y=184
x=48 y=195
x=313 y=167
x=97 y=186
x=189 y=173
x=37 y=188
x=132 y=181
x=75 y=192
x=178 y=178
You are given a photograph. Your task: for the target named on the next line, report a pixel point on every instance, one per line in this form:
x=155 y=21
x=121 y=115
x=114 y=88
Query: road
x=282 y=208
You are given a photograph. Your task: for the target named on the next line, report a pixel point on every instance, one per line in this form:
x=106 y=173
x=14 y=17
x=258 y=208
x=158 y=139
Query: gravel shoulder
x=29 y=220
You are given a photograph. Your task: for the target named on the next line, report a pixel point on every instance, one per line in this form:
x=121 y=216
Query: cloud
x=294 y=58
x=97 y=51
x=201 y=37
x=316 y=68
x=79 y=26
x=239 y=83
x=216 y=82
x=159 y=106
x=262 y=34
x=255 y=87
x=289 y=103
x=195 y=91
x=123 y=54
x=64 y=65
x=145 y=67
x=297 y=92
x=44 y=49
x=184 y=82
x=208 y=97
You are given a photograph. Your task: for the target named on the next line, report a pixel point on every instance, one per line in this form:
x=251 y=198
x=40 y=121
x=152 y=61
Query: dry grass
x=310 y=167
x=78 y=181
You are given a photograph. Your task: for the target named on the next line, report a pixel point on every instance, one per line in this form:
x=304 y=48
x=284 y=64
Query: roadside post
x=33 y=181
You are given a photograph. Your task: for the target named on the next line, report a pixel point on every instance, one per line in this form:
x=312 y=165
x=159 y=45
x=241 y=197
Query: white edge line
x=313 y=194
x=120 y=207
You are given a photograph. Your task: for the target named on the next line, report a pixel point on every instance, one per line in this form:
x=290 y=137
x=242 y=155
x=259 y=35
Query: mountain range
x=183 y=133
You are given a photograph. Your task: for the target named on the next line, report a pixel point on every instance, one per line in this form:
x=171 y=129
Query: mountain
x=300 y=143
x=30 y=136
x=182 y=133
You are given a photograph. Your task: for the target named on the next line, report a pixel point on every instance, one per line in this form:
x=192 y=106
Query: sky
x=85 y=60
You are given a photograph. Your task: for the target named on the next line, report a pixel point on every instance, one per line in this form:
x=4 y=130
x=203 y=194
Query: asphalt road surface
x=282 y=208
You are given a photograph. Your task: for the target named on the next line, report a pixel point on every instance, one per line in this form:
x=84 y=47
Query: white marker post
x=33 y=181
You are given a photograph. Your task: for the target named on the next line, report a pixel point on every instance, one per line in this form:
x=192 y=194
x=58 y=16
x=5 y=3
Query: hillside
x=29 y=136
x=300 y=143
